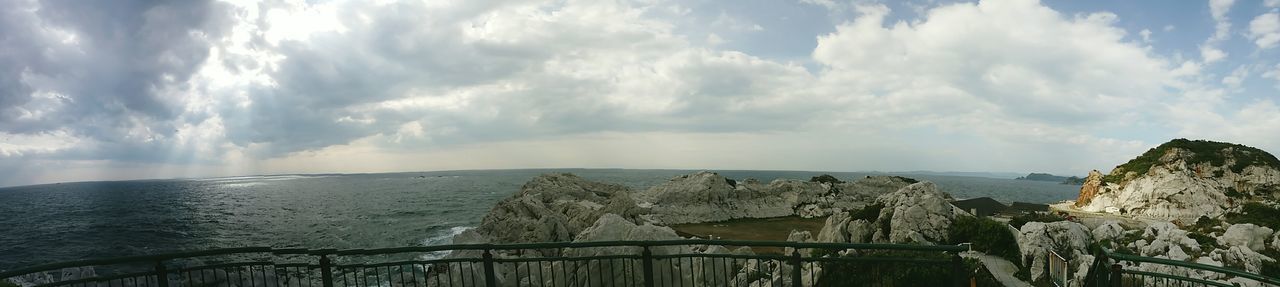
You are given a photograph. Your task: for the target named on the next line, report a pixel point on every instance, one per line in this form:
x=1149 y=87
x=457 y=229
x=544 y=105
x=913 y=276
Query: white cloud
x=1146 y=35
x=1236 y=78
x=1264 y=30
x=1211 y=54
x=728 y=22
x=1271 y=3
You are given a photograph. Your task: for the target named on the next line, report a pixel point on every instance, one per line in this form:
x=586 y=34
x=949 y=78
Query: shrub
x=1018 y=221
x=6 y=283
x=868 y=213
x=826 y=178
x=986 y=235
x=1258 y=214
x=889 y=273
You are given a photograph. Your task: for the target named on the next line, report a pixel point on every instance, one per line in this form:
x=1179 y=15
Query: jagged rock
x=709 y=197
x=917 y=213
x=1275 y=241
x=1248 y=235
x=1165 y=240
x=836 y=229
x=1185 y=179
x=555 y=207
x=1241 y=257
x=1037 y=239
x=1092 y=184
x=1110 y=230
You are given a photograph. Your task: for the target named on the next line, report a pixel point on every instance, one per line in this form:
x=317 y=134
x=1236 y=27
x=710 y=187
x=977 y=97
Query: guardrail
x=1107 y=270
x=604 y=263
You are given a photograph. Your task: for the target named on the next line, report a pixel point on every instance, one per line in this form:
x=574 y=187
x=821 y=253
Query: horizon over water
x=50 y=223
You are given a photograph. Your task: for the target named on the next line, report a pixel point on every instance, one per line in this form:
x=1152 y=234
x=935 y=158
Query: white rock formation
x=1181 y=186
x=1037 y=239
x=917 y=213
x=710 y=197
x=1248 y=235
x=555 y=208
x=1110 y=230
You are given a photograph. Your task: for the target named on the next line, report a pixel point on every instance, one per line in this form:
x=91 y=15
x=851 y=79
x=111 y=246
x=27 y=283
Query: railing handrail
x=486 y=246
x=1234 y=272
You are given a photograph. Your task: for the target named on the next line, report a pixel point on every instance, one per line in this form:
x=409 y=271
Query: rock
x=1248 y=235
x=836 y=229
x=1092 y=184
x=1275 y=241
x=1184 y=179
x=1110 y=230
x=1037 y=239
x=917 y=213
x=1241 y=257
x=555 y=207
x=709 y=197
x=1165 y=240
x=611 y=227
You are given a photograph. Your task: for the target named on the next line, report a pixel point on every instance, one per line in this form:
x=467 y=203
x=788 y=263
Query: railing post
x=795 y=268
x=326 y=271
x=957 y=269
x=647 y=257
x=489 y=279
x=1116 y=276
x=162 y=274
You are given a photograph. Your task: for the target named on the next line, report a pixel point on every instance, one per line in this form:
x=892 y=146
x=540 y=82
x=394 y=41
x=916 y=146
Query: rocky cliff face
x=555 y=208
x=1184 y=179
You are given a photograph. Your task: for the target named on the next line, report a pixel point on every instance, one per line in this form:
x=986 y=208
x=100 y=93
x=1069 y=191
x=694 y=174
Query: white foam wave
x=443 y=238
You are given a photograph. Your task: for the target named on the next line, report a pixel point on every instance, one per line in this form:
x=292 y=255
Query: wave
x=442 y=238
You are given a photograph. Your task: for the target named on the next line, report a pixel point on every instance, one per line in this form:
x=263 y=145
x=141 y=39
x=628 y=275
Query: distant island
x=1075 y=180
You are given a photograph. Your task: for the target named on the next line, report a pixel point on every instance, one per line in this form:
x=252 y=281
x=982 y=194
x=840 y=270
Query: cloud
x=108 y=74
x=1264 y=30
x=225 y=88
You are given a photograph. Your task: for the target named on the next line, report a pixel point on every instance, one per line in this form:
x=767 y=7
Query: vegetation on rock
x=826 y=178
x=1018 y=221
x=1214 y=153
x=986 y=235
x=837 y=273
x=1257 y=213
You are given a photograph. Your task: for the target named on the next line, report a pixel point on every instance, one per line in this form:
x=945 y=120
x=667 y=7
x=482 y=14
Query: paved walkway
x=1001 y=269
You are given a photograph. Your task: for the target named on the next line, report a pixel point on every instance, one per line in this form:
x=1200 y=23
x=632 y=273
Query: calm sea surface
x=59 y=222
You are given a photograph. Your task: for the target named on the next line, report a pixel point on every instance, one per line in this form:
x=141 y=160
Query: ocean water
x=71 y=221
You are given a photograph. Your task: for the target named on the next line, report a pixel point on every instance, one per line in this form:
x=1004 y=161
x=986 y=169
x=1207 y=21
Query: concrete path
x=1001 y=269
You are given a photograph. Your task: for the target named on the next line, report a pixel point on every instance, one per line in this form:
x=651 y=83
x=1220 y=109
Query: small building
x=982 y=206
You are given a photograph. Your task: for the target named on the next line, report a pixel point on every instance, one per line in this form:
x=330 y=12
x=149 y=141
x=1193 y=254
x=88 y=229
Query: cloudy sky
x=104 y=90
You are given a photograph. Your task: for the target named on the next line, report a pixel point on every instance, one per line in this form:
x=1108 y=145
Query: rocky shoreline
x=890 y=209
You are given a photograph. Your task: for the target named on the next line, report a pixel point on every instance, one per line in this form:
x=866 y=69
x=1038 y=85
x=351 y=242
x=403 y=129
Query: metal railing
x=604 y=263
x=1108 y=269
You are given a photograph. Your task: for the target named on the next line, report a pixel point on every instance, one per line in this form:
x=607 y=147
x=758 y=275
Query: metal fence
x=611 y=263
x=1059 y=269
x=1108 y=269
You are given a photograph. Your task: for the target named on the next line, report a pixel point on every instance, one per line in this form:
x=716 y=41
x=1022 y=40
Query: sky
x=107 y=90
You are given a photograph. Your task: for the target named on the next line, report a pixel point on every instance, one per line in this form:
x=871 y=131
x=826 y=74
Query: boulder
x=1248 y=235
x=1241 y=257
x=1110 y=230
x=554 y=208
x=1037 y=239
x=917 y=213
x=1165 y=240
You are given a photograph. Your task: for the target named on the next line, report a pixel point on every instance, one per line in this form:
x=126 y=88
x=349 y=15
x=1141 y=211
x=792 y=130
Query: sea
x=50 y=223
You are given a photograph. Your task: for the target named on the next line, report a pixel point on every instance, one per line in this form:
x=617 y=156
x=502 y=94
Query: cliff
x=1184 y=179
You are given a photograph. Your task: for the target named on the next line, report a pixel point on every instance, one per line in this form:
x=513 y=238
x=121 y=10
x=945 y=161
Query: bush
x=826 y=178
x=986 y=235
x=1258 y=214
x=868 y=213
x=888 y=273
x=1018 y=221
x=6 y=283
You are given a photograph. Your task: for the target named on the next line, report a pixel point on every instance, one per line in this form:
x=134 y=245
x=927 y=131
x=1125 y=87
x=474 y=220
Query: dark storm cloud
x=109 y=63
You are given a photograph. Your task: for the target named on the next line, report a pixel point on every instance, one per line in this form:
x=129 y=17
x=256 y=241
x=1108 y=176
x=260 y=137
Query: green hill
x=1202 y=151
